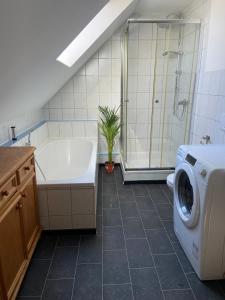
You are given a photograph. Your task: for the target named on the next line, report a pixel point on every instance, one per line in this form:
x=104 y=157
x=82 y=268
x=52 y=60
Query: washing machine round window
x=186 y=195
x=185 y=192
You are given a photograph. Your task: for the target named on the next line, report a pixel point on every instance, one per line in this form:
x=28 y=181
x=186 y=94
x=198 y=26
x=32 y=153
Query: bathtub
x=67 y=176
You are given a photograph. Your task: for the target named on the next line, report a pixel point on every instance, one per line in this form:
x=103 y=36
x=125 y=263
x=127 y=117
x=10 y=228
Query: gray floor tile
x=126 y=195
x=28 y=298
x=113 y=238
x=108 y=178
x=207 y=290
x=109 y=188
x=158 y=196
x=170 y=273
x=140 y=189
x=64 y=262
x=165 y=211
x=58 y=289
x=133 y=228
x=88 y=282
x=144 y=203
x=170 y=231
x=129 y=210
x=110 y=201
x=159 y=241
x=117 y=292
x=99 y=225
x=124 y=187
x=150 y=220
x=183 y=258
x=112 y=217
x=145 y=284
x=99 y=205
x=68 y=240
x=90 y=249
x=139 y=255
x=34 y=280
x=45 y=247
x=179 y=295
x=115 y=267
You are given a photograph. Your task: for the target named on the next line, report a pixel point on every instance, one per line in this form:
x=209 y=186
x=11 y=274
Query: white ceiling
x=161 y=7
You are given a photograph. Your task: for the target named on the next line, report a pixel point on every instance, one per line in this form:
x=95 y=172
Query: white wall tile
x=65 y=129
x=53 y=129
x=106 y=50
x=105 y=67
x=55 y=114
x=92 y=67
x=68 y=100
x=116 y=52
x=78 y=129
x=79 y=84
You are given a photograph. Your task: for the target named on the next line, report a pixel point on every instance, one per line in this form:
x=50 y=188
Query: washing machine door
x=186 y=195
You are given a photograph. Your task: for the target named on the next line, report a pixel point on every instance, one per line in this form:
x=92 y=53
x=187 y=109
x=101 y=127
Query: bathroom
x=72 y=228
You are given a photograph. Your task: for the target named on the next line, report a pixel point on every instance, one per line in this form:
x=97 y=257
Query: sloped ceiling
x=32 y=35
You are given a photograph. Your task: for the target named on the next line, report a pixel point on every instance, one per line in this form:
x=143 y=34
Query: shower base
x=137 y=167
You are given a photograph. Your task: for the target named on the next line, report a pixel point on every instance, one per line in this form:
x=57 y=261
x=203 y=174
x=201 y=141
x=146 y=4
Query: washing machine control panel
x=190 y=159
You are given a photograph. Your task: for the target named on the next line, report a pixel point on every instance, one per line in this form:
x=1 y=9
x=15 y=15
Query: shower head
x=168 y=52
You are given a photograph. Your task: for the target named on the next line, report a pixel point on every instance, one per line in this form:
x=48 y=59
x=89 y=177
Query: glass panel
x=159 y=65
x=123 y=136
x=179 y=77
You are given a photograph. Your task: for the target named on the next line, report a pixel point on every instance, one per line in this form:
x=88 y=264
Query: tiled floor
x=134 y=255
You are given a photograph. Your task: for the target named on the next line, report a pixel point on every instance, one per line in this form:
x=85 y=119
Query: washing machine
x=199 y=208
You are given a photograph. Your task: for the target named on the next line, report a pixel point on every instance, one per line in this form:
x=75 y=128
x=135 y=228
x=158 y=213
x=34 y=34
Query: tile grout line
x=150 y=250
x=46 y=278
x=75 y=271
x=173 y=247
x=128 y=264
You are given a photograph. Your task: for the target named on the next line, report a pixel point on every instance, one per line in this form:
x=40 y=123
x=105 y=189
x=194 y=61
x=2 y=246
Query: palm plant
x=109 y=126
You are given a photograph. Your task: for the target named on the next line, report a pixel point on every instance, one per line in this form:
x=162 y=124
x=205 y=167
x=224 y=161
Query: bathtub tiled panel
x=68 y=207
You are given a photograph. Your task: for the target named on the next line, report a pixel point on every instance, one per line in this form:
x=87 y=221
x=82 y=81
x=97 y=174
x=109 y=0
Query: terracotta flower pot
x=109 y=167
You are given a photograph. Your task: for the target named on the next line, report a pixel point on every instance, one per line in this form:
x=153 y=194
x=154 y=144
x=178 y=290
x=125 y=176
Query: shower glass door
x=158 y=74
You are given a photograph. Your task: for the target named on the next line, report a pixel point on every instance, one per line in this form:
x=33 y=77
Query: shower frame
x=143 y=174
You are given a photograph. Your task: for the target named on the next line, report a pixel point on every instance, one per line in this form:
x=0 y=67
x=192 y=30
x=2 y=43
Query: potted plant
x=109 y=126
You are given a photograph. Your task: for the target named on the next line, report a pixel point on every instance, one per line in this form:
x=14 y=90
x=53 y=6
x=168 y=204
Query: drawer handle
x=23 y=194
x=5 y=193
x=19 y=205
x=27 y=168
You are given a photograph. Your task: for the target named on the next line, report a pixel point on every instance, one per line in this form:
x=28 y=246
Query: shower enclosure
x=159 y=60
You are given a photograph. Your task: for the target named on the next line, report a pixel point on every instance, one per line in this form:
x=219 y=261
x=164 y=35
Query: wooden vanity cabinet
x=19 y=220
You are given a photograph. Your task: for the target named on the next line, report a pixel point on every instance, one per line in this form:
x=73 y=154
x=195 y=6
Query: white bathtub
x=67 y=183
x=66 y=161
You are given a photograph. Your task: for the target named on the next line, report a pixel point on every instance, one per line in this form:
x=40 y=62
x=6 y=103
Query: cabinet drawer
x=25 y=169
x=8 y=189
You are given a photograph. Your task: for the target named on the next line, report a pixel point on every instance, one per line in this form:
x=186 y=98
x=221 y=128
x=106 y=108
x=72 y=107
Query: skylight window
x=93 y=31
